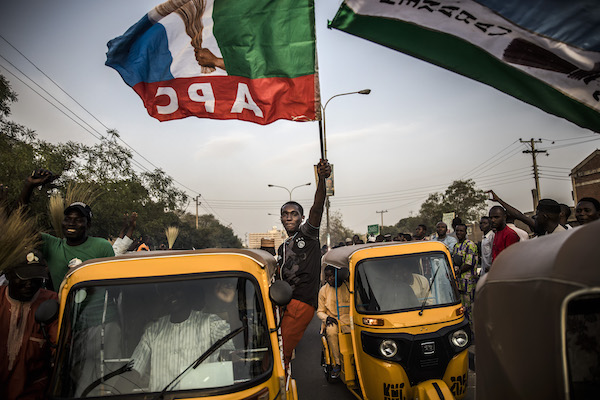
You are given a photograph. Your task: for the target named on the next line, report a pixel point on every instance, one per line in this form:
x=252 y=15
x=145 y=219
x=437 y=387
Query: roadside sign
x=447 y=218
x=373 y=230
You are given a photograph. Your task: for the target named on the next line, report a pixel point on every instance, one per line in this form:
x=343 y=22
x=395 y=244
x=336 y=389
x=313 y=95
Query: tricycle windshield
x=400 y=283
x=138 y=337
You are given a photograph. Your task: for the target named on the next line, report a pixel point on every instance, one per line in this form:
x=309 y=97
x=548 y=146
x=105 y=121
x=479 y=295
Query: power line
x=548 y=166
x=72 y=98
x=54 y=105
x=576 y=138
x=512 y=181
x=50 y=94
x=497 y=162
x=99 y=135
x=502 y=176
x=573 y=144
x=487 y=160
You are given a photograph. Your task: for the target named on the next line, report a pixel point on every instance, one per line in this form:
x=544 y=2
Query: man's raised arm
x=316 y=211
x=510 y=210
x=38 y=178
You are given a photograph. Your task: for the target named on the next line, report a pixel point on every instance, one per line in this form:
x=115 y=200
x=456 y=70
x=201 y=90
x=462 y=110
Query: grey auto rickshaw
x=537 y=319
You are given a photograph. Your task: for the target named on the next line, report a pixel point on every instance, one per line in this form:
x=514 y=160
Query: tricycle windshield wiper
x=216 y=346
x=91 y=386
x=429 y=290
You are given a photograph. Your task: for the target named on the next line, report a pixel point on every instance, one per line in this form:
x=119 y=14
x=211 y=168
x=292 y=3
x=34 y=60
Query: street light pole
x=323 y=137
x=288 y=190
x=323 y=127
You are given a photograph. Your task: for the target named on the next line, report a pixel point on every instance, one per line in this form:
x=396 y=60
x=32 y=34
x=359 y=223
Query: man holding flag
x=299 y=259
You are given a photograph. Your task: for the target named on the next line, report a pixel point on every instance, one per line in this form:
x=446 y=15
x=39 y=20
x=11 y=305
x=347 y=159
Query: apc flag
x=543 y=52
x=222 y=59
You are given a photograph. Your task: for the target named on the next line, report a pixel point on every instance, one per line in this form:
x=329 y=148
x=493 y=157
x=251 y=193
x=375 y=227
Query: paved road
x=306 y=369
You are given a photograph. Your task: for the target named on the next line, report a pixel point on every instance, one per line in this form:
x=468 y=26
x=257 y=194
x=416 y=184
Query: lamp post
x=288 y=190
x=322 y=130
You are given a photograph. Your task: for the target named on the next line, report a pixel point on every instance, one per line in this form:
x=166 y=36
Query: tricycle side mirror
x=280 y=293
x=47 y=312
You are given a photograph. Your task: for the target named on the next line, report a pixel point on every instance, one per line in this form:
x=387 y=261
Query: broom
x=19 y=236
x=171 y=232
x=83 y=192
x=56 y=209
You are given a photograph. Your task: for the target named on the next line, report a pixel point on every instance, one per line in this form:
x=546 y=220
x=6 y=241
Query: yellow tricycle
x=406 y=336
x=171 y=324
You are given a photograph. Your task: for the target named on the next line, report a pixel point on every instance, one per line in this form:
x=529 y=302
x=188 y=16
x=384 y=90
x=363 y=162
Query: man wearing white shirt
x=486 y=244
x=510 y=222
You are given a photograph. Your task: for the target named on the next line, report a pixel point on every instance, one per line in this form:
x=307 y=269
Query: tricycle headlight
x=459 y=338
x=388 y=348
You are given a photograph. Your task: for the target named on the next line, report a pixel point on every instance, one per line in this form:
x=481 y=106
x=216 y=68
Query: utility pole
x=197 y=198
x=381 y=212
x=536 y=175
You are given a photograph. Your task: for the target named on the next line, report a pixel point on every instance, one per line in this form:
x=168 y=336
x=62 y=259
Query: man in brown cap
x=24 y=348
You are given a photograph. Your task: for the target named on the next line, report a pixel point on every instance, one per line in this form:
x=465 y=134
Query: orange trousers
x=295 y=319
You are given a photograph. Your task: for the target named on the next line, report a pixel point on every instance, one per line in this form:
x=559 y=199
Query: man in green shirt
x=77 y=246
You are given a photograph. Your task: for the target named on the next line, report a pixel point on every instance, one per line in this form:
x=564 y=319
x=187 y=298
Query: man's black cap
x=82 y=208
x=32 y=266
x=549 y=206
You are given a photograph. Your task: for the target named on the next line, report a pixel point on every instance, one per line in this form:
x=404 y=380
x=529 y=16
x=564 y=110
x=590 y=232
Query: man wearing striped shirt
x=175 y=341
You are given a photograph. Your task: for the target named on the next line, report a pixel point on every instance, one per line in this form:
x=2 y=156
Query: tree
x=337 y=231
x=7 y=96
x=461 y=197
x=409 y=224
x=107 y=168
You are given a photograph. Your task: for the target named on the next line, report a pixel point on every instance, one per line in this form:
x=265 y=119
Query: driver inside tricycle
x=198 y=333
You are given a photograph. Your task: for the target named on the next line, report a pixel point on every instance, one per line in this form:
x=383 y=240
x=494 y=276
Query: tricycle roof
x=173 y=262
x=341 y=256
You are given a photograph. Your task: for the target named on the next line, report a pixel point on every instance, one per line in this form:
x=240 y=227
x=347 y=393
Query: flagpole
x=322 y=140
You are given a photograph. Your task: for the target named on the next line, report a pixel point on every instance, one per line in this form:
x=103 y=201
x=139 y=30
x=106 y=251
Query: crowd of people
x=472 y=260
x=36 y=275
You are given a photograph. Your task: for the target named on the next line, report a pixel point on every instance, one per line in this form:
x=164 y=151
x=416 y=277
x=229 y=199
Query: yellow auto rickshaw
x=171 y=324
x=537 y=318
x=407 y=336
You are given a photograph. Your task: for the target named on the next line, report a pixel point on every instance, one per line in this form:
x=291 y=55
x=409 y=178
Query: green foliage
x=409 y=225
x=460 y=197
x=392 y=230
x=7 y=96
x=337 y=231
x=107 y=166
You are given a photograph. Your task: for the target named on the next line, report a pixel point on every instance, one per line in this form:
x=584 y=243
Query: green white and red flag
x=252 y=60
x=543 y=52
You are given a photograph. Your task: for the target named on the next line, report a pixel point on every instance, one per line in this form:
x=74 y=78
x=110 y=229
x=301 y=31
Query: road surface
x=306 y=369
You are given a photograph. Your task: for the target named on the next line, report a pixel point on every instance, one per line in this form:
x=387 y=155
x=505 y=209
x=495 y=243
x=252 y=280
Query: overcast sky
x=420 y=128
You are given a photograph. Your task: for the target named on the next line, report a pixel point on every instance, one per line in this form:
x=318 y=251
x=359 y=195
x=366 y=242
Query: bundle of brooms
x=171 y=232
x=19 y=236
x=83 y=192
